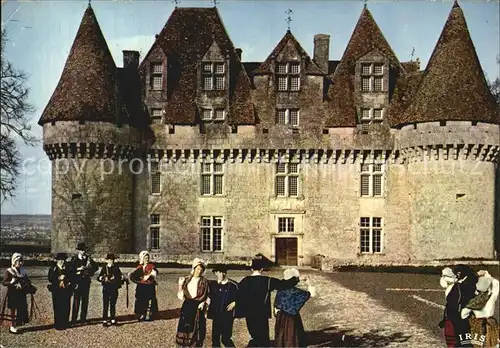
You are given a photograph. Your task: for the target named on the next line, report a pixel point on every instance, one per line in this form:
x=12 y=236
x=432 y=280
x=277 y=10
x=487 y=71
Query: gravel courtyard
x=337 y=317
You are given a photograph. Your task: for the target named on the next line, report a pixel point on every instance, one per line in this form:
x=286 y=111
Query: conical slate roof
x=453 y=86
x=87 y=88
x=365 y=38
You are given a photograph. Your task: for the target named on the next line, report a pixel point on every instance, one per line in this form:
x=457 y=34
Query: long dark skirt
x=289 y=331
x=18 y=305
x=145 y=297
x=191 y=329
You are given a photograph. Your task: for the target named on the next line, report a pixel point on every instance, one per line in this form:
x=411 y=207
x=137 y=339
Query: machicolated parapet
x=90 y=134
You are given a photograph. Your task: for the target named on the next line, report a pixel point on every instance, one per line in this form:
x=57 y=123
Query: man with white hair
x=84 y=268
x=146 y=304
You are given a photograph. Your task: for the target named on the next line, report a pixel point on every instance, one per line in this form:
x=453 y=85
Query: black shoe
x=141 y=318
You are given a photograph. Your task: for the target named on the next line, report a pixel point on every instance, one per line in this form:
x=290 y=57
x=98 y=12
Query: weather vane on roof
x=288 y=19
x=215 y=2
x=176 y=2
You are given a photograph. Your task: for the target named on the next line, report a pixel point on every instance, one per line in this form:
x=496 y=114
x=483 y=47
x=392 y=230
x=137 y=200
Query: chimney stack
x=130 y=59
x=239 y=51
x=321 y=51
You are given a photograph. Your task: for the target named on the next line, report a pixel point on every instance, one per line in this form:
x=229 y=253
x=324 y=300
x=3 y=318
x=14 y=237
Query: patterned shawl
x=291 y=300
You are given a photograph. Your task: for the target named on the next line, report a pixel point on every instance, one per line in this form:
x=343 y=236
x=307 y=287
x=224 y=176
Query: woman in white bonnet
x=144 y=275
x=193 y=290
x=18 y=286
x=289 y=329
x=481 y=309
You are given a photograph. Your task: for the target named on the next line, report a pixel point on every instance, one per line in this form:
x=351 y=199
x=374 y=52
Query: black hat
x=81 y=246
x=220 y=268
x=257 y=264
x=110 y=256
x=61 y=256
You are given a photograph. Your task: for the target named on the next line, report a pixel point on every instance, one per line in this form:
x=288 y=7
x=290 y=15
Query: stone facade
x=288 y=184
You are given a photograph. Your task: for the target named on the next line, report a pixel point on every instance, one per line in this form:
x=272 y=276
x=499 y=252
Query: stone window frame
x=154 y=227
x=371 y=170
x=211 y=172
x=287 y=116
x=156 y=117
x=211 y=224
x=158 y=74
x=362 y=73
x=213 y=114
x=155 y=178
x=287 y=76
x=213 y=75
x=371 y=119
x=286 y=220
x=371 y=227
x=287 y=174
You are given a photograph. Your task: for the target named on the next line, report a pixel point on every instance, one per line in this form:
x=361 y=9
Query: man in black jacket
x=111 y=279
x=254 y=302
x=83 y=269
x=223 y=295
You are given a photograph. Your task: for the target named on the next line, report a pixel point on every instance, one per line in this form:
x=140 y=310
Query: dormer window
x=213 y=76
x=156 y=76
x=156 y=116
x=287 y=116
x=216 y=114
x=288 y=76
x=369 y=116
x=372 y=77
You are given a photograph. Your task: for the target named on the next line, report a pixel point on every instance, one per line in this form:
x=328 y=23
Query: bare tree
x=495 y=89
x=15 y=126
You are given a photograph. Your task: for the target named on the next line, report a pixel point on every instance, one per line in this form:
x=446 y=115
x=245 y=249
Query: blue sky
x=42 y=32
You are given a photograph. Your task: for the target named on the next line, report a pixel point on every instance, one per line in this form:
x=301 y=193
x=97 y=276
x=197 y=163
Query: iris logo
x=475 y=339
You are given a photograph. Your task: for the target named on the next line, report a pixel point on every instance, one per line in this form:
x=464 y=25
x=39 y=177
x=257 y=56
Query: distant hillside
x=25 y=233
x=21 y=219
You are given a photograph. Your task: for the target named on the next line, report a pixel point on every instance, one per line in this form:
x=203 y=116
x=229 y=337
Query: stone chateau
x=190 y=151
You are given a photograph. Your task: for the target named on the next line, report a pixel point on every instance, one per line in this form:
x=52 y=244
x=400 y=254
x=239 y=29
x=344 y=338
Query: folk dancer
x=146 y=303
x=480 y=311
x=460 y=285
x=84 y=269
x=61 y=285
x=223 y=295
x=254 y=302
x=289 y=329
x=111 y=279
x=194 y=291
x=18 y=287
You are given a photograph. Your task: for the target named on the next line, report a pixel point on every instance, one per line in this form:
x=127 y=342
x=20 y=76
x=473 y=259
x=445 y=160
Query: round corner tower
x=89 y=136
x=450 y=140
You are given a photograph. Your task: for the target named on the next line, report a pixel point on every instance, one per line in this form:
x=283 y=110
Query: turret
x=449 y=137
x=89 y=134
